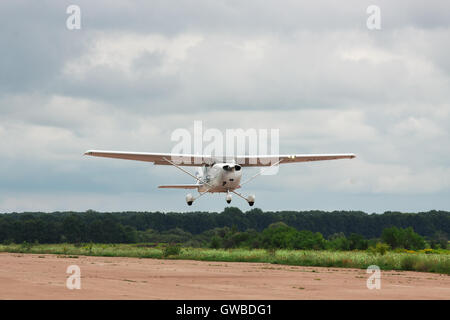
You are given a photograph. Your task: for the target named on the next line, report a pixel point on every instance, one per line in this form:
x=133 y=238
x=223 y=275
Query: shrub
x=407 y=263
x=279 y=235
x=171 y=250
x=380 y=248
x=338 y=242
x=216 y=242
x=88 y=247
x=26 y=246
x=271 y=252
x=357 y=242
x=8 y=242
x=439 y=240
x=307 y=240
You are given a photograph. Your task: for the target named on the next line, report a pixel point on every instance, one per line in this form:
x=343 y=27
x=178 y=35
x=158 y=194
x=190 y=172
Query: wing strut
x=261 y=171
x=187 y=172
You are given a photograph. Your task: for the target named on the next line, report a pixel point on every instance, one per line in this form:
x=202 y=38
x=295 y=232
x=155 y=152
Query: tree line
x=341 y=229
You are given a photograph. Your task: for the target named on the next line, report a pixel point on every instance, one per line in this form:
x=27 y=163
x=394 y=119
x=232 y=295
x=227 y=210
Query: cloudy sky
x=138 y=70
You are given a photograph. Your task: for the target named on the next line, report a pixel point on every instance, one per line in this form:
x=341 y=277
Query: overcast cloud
x=137 y=70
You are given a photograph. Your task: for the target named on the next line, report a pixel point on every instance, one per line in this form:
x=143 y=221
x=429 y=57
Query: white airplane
x=216 y=173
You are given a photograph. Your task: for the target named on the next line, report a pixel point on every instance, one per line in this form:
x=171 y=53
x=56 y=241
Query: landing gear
x=228 y=198
x=189 y=199
x=251 y=200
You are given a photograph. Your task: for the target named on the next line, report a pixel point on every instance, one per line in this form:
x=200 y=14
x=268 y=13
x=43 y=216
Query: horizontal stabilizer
x=181 y=186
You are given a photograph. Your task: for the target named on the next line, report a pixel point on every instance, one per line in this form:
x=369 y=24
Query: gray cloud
x=138 y=70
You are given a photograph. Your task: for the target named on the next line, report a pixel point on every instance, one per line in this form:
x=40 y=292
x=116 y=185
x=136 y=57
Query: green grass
x=418 y=261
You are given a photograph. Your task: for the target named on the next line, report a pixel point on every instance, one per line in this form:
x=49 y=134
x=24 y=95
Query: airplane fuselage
x=220 y=177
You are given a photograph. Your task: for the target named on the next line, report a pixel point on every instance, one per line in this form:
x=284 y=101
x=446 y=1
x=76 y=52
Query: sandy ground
x=32 y=276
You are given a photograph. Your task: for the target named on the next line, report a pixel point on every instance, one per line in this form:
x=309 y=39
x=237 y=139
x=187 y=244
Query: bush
x=338 y=241
x=88 y=247
x=235 y=239
x=407 y=263
x=357 y=242
x=216 y=242
x=271 y=252
x=380 y=248
x=439 y=240
x=308 y=240
x=26 y=246
x=171 y=250
x=8 y=242
x=279 y=235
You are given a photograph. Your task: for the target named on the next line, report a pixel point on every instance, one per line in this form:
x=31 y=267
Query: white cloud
x=120 y=50
x=418 y=128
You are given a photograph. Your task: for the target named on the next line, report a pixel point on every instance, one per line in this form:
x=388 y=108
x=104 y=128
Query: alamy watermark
x=374 y=20
x=74 y=280
x=238 y=145
x=73 y=22
x=374 y=281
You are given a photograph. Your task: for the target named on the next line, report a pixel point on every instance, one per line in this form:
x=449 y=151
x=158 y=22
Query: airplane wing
x=156 y=158
x=268 y=160
x=199 y=160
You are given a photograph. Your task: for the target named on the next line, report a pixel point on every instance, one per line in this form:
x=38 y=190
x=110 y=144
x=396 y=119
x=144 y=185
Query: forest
x=231 y=228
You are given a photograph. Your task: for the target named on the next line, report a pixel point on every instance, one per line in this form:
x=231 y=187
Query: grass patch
x=438 y=262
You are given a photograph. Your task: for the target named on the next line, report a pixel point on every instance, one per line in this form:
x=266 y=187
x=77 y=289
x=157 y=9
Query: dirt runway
x=33 y=276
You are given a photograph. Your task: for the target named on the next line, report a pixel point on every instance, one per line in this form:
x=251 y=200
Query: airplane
x=216 y=173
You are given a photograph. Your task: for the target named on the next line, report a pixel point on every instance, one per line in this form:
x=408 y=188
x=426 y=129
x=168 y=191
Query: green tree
x=73 y=228
x=357 y=242
x=403 y=238
x=439 y=240
x=338 y=241
x=216 y=242
x=278 y=235
x=308 y=240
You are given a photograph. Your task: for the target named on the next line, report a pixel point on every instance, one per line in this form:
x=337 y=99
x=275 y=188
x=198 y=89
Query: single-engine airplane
x=216 y=173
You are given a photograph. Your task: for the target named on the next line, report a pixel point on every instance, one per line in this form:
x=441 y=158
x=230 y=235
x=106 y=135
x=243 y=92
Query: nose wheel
x=228 y=198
